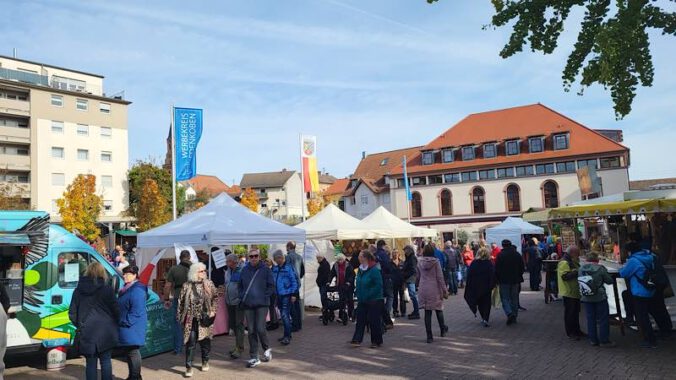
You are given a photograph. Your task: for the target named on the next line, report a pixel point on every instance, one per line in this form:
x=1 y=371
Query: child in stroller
x=339 y=293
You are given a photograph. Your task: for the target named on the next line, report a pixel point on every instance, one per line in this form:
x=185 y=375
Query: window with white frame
x=106 y=132
x=468 y=153
x=104 y=107
x=83 y=154
x=57 y=126
x=107 y=205
x=58 y=179
x=106 y=156
x=512 y=147
x=82 y=104
x=536 y=144
x=106 y=181
x=490 y=150
x=561 y=141
x=428 y=158
x=57 y=100
x=82 y=130
x=57 y=152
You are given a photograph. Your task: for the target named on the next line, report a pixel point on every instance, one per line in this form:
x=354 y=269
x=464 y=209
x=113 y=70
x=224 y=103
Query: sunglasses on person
x=202 y=271
x=252 y=256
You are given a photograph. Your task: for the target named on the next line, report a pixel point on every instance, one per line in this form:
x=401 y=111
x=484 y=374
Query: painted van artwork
x=40 y=266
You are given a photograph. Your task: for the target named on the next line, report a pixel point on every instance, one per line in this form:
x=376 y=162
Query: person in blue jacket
x=133 y=319
x=286 y=285
x=635 y=272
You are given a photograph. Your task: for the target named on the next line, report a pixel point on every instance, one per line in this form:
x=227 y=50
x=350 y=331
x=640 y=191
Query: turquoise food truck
x=40 y=266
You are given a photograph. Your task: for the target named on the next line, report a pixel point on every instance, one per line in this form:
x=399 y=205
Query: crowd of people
x=374 y=288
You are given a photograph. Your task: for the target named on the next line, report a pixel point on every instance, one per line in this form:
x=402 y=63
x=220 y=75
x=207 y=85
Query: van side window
x=72 y=265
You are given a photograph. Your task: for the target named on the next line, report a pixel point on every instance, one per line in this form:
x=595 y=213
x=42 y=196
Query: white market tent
x=333 y=224
x=512 y=229
x=389 y=226
x=222 y=221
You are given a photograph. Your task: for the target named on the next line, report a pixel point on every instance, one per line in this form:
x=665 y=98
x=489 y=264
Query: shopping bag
x=495 y=298
x=459 y=276
x=407 y=298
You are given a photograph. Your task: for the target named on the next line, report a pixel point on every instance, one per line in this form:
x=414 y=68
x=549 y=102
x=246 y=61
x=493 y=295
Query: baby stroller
x=334 y=299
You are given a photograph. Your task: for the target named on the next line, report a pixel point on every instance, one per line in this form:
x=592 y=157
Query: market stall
x=387 y=225
x=512 y=229
x=222 y=222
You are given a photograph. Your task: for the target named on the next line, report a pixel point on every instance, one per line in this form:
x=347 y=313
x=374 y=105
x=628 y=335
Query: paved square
x=535 y=348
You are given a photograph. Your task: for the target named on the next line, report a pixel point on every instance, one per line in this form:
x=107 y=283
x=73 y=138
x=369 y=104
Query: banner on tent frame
x=187 y=134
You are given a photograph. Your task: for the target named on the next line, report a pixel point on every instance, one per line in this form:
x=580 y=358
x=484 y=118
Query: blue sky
x=360 y=75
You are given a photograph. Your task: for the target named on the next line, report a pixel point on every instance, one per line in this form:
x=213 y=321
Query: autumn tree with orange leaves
x=315 y=205
x=80 y=207
x=152 y=210
x=250 y=200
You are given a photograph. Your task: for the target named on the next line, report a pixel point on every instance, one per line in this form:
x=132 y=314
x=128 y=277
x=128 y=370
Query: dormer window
x=468 y=153
x=490 y=150
x=447 y=155
x=536 y=144
x=561 y=141
x=512 y=147
x=428 y=158
x=384 y=162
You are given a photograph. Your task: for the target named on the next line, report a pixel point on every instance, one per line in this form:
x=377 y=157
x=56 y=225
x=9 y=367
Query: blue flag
x=406 y=185
x=187 y=133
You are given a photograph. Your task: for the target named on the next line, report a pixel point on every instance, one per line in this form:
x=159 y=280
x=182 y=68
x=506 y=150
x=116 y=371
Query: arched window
x=478 y=200
x=445 y=201
x=550 y=193
x=416 y=205
x=513 y=198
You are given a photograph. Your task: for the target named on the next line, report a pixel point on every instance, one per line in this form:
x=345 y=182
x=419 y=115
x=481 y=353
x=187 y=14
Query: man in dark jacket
x=323 y=277
x=175 y=278
x=409 y=274
x=255 y=288
x=383 y=259
x=452 y=265
x=296 y=260
x=509 y=272
x=533 y=258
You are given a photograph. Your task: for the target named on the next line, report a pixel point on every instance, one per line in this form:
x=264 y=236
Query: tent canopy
x=636 y=206
x=222 y=221
x=333 y=224
x=388 y=225
x=511 y=229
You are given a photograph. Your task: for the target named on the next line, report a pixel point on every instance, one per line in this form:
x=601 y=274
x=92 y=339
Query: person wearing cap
x=509 y=270
x=595 y=300
x=256 y=286
x=286 y=286
x=133 y=319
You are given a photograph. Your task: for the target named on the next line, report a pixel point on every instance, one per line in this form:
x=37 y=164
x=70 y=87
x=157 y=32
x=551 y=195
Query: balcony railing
x=55 y=82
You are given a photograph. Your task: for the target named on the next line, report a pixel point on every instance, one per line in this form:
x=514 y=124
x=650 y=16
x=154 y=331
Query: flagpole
x=173 y=165
x=407 y=191
x=302 y=176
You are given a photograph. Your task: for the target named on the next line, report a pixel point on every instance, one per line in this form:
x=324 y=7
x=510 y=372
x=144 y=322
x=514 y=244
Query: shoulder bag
x=246 y=292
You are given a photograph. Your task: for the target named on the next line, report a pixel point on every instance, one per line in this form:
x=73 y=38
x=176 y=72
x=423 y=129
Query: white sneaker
x=188 y=372
x=252 y=363
x=267 y=356
x=205 y=367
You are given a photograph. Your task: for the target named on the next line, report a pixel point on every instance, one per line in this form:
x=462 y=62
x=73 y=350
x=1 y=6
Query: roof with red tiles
x=210 y=183
x=338 y=187
x=372 y=168
x=535 y=120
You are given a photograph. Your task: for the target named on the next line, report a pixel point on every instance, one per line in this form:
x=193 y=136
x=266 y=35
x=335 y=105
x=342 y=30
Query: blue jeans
x=106 y=366
x=509 y=296
x=598 y=329
x=453 y=282
x=413 y=295
x=284 y=303
x=178 y=329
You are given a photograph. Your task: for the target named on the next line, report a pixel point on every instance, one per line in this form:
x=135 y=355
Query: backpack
x=655 y=276
x=588 y=287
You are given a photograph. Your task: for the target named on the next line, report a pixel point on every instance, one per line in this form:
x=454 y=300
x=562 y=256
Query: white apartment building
x=280 y=194
x=56 y=123
x=501 y=163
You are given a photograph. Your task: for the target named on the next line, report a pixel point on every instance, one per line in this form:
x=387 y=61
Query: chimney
x=363 y=154
x=283 y=170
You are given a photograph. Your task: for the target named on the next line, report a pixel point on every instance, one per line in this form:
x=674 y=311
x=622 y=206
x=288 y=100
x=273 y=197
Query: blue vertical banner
x=409 y=197
x=187 y=133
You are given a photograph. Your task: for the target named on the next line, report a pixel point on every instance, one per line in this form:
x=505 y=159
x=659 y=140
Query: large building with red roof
x=495 y=164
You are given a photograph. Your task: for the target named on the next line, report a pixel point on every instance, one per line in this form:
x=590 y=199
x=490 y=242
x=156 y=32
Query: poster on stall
x=219 y=258
x=71 y=272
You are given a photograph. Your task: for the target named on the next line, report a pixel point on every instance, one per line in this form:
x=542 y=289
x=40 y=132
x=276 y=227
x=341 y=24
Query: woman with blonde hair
x=95 y=313
x=480 y=283
x=196 y=311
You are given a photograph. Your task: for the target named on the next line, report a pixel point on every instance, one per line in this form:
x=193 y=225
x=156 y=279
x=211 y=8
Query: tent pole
x=210 y=259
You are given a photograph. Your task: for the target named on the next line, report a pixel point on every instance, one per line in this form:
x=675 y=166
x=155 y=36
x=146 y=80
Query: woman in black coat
x=95 y=313
x=480 y=283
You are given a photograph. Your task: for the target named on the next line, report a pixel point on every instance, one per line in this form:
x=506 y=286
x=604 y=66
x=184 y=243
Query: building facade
x=56 y=123
x=501 y=163
x=369 y=186
x=280 y=194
